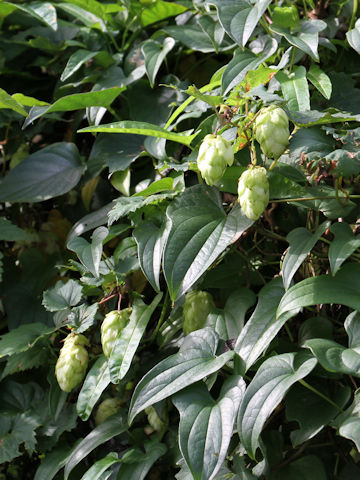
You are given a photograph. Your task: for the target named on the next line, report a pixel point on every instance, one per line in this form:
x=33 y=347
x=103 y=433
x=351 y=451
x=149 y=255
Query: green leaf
x=99 y=467
x=28 y=101
x=343 y=245
x=14 y=432
x=195 y=360
x=239 y=18
x=62 y=296
x=308 y=467
x=52 y=463
x=76 y=101
x=212 y=100
x=48 y=173
x=353 y=36
x=43 y=11
x=111 y=427
x=320 y=81
x=295 y=89
x=206 y=426
x=142 y=128
x=23 y=338
x=314 y=117
x=97 y=379
x=7 y=101
x=12 y=233
x=140 y=463
x=90 y=254
x=341 y=289
x=306 y=42
x=127 y=342
x=81 y=318
x=159 y=11
x=76 y=60
x=83 y=14
x=158 y=186
x=262 y=326
x=34 y=357
x=89 y=222
x=154 y=54
x=199 y=230
x=348 y=423
x=301 y=243
x=266 y=390
x=192 y=36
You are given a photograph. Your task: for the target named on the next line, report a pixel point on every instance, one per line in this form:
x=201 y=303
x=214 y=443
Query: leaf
x=199 y=231
x=90 y=221
x=353 y=36
x=33 y=357
x=139 y=465
x=14 y=432
x=154 y=54
x=306 y=42
x=159 y=11
x=266 y=390
x=348 y=423
x=76 y=60
x=239 y=18
x=108 y=429
x=7 y=101
x=162 y=185
x=82 y=318
x=301 y=243
x=320 y=81
x=127 y=342
x=314 y=117
x=295 y=89
x=243 y=62
x=195 y=360
x=341 y=289
x=206 y=426
x=62 y=296
x=262 y=326
x=12 y=233
x=76 y=101
x=212 y=100
x=43 y=11
x=97 y=379
x=343 y=245
x=23 y=338
x=141 y=128
x=308 y=467
x=99 y=467
x=52 y=463
x=192 y=36
x=48 y=173
x=28 y=101
x=90 y=254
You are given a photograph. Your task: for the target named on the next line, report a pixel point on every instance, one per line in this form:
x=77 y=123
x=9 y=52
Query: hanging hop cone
x=111 y=327
x=197 y=306
x=106 y=408
x=253 y=190
x=72 y=363
x=272 y=131
x=215 y=153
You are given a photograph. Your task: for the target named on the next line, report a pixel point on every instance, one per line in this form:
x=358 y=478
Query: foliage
x=111 y=114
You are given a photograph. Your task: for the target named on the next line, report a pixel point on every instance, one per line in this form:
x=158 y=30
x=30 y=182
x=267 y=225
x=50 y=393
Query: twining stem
x=324 y=397
x=307 y=199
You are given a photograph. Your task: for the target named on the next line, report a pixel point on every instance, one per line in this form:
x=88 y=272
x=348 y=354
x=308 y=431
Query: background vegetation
x=104 y=106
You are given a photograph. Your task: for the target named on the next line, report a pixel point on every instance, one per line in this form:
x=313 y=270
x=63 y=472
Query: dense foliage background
x=103 y=108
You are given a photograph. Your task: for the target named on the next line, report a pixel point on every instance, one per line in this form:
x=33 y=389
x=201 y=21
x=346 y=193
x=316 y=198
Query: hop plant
x=197 y=306
x=272 y=131
x=72 y=363
x=106 y=408
x=253 y=190
x=215 y=153
x=111 y=327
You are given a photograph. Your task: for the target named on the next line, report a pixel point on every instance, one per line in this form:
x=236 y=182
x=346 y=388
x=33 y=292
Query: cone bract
x=106 y=408
x=272 y=131
x=253 y=190
x=197 y=306
x=111 y=327
x=72 y=362
x=215 y=153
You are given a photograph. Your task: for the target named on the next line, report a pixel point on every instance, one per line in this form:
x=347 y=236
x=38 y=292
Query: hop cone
x=196 y=308
x=111 y=327
x=215 y=153
x=272 y=131
x=253 y=190
x=72 y=362
x=106 y=408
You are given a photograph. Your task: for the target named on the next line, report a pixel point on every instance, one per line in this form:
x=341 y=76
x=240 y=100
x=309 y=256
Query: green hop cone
x=215 y=153
x=106 y=408
x=72 y=362
x=111 y=327
x=197 y=306
x=253 y=190
x=272 y=131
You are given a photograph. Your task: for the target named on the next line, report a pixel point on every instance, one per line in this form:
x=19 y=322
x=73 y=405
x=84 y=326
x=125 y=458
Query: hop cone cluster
x=106 y=408
x=72 y=362
x=272 y=131
x=215 y=153
x=197 y=306
x=253 y=190
x=111 y=327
